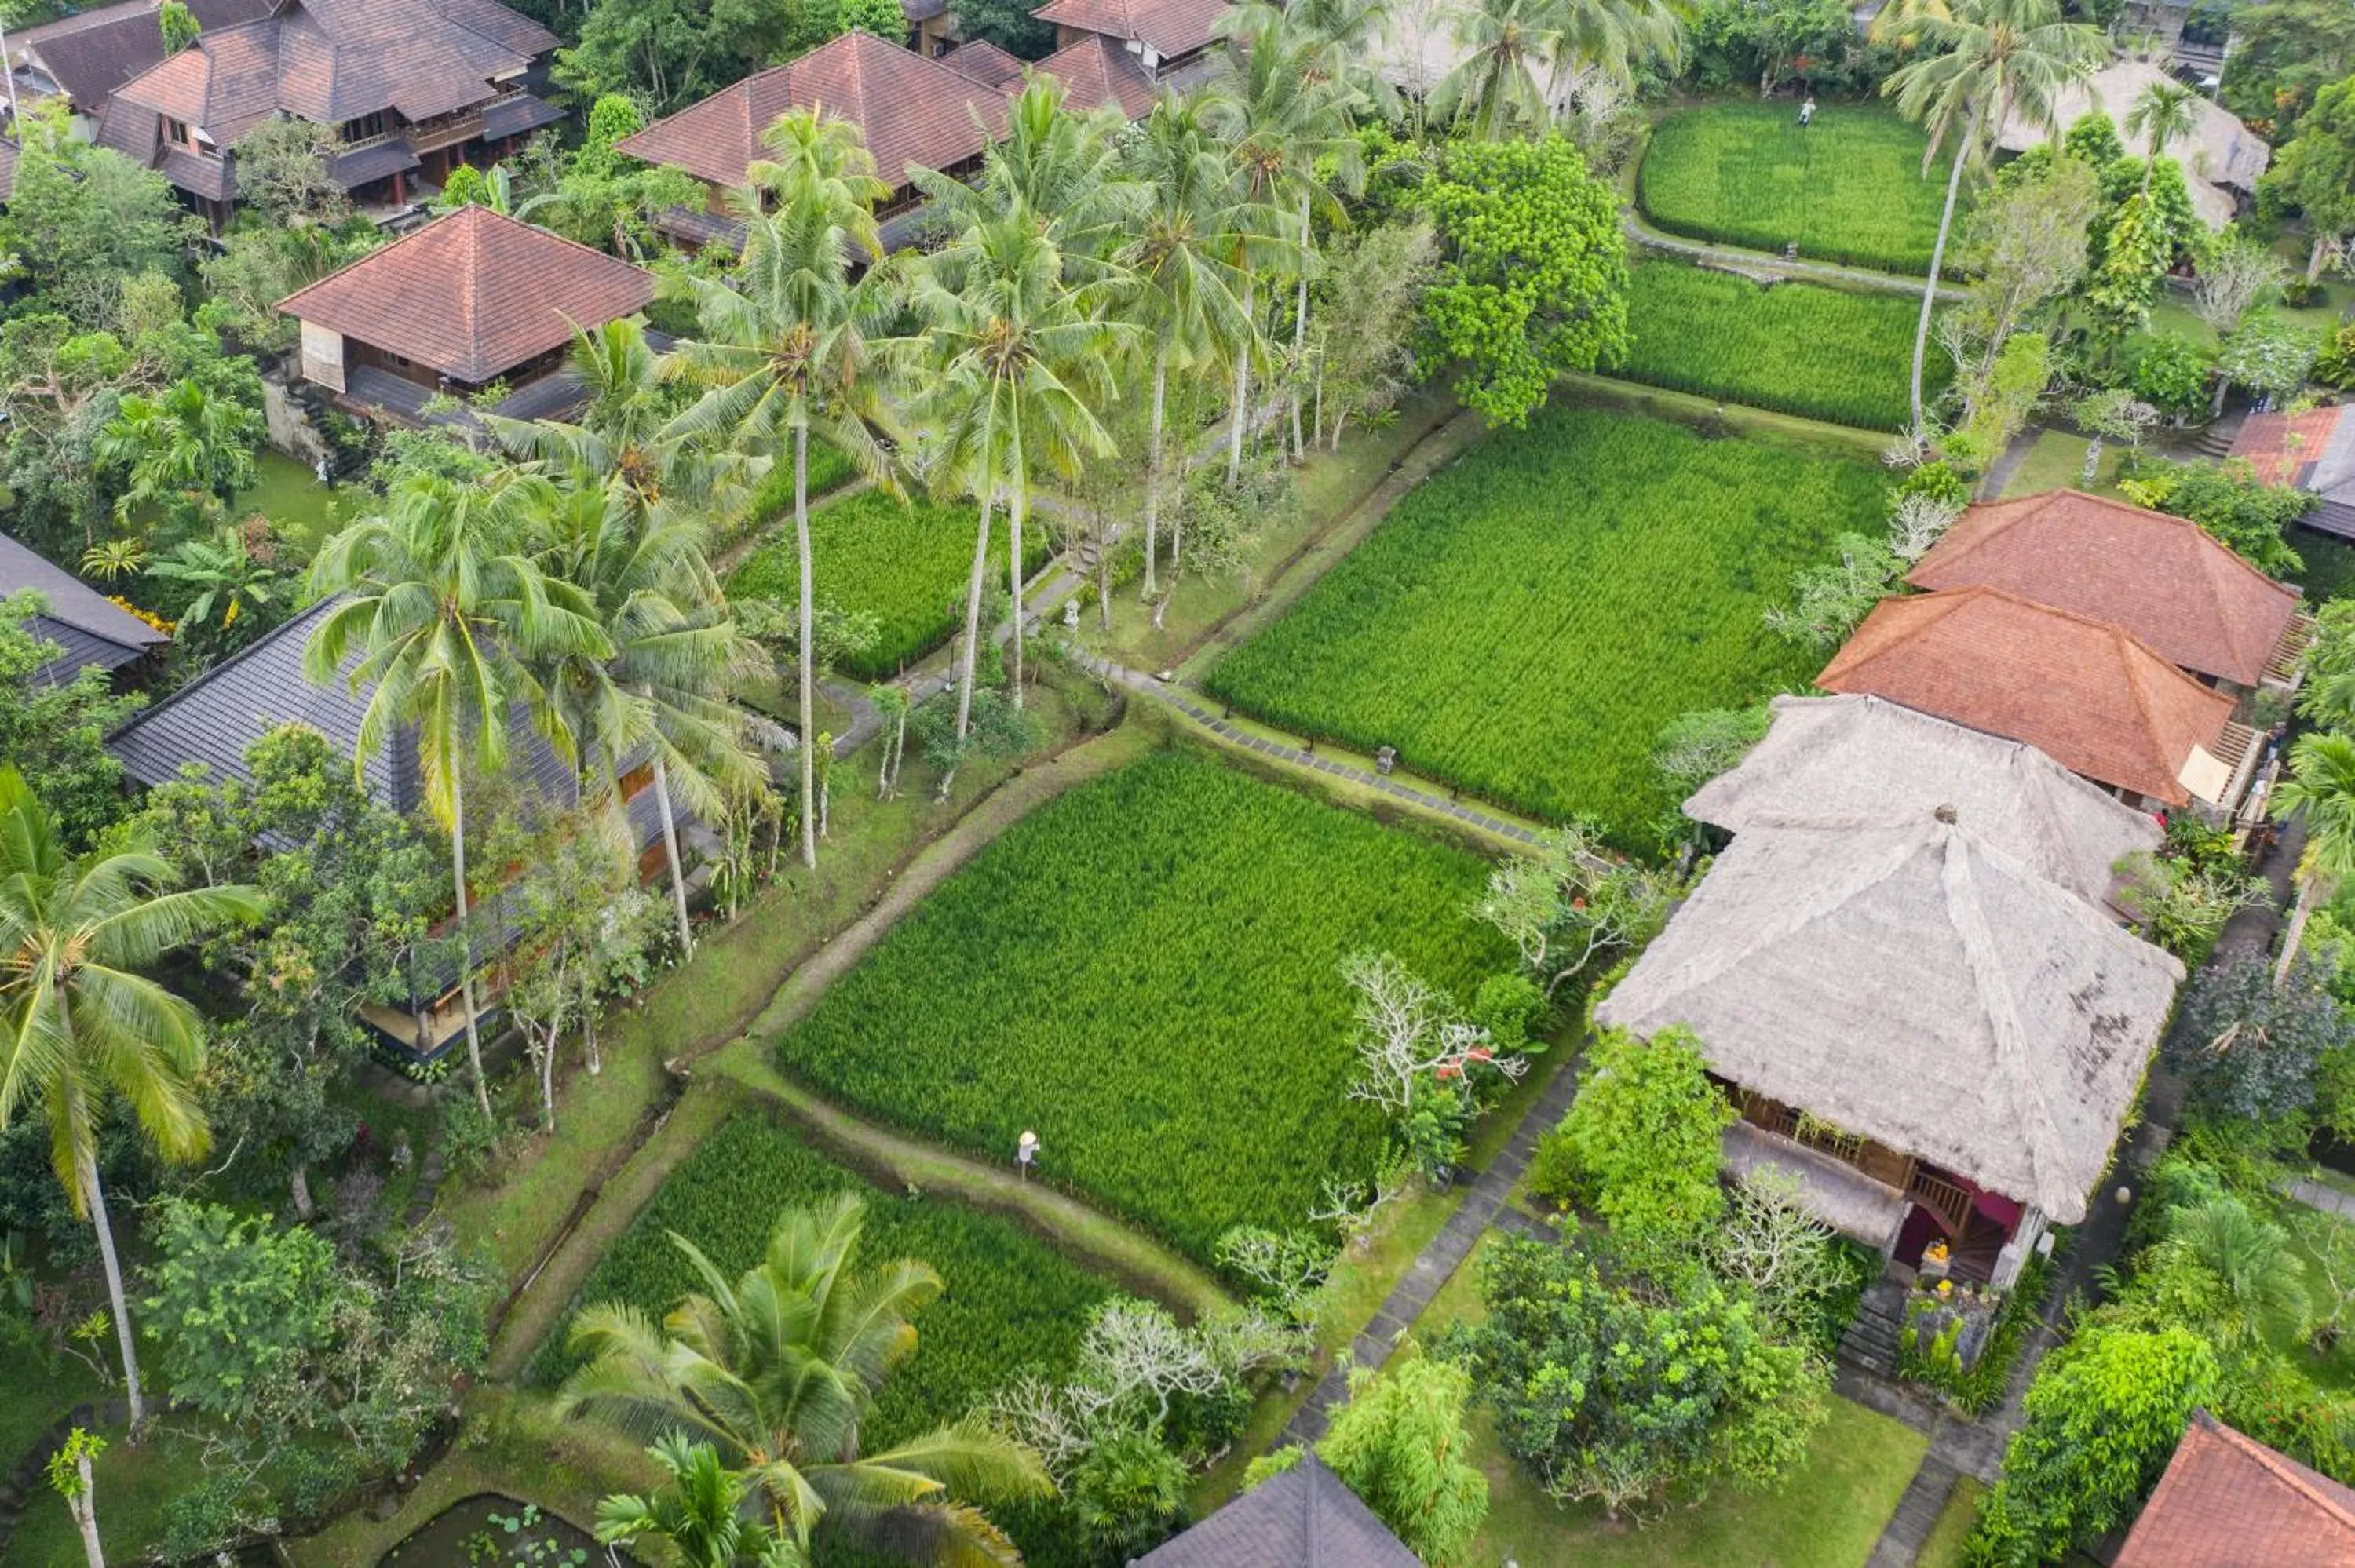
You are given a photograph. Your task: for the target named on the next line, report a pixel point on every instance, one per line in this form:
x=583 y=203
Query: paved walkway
x=1483 y=1207
x=2315 y=1195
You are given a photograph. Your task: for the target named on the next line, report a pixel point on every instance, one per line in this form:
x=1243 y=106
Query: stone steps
x=1871 y=1339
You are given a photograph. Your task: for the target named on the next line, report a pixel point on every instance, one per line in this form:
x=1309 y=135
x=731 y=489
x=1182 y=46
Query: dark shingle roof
x=1305 y=1518
x=474 y=294
x=79 y=619
x=90 y=54
x=1171 y=29
x=1096 y=71
x=915 y=112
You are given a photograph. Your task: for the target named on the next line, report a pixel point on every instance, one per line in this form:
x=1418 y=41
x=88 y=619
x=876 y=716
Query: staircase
x=1871 y=1342
x=2216 y=440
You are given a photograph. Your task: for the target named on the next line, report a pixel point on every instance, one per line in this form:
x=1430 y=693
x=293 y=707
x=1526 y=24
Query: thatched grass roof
x=1915 y=985
x=2223 y=155
x=1867 y=762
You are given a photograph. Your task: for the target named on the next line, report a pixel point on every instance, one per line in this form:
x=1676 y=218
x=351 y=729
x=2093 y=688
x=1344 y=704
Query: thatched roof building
x=1919 y=986
x=1862 y=762
x=2221 y=157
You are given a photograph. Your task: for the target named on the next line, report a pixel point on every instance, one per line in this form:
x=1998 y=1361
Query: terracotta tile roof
x=2229 y=1501
x=1096 y=71
x=2083 y=692
x=90 y=54
x=2314 y=450
x=983 y=61
x=334 y=61
x=916 y=112
x=474 y=294
x=1172 y=29
x=2163 y=579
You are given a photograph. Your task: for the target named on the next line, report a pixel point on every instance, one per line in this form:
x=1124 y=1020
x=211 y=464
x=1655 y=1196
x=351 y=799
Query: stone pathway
x=2315 y=1195
x=1483 y=1208
x=1732 y=258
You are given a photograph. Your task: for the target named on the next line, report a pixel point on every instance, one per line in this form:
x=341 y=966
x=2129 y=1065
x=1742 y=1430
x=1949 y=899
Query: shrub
x=1146 y=974
x=1847 y=188
x=1823 y=353
x=1524 y=624
x=1643 y=1135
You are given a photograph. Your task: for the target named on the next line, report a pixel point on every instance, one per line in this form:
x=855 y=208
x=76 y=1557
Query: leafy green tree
x=442 y=615
x=218 y=574
x=2252 y=1050
x=1532 y=280
x=1009 y=25
x=282 y=171
x=1568 y=904
x=2228 y=501
x=81 y=218
x=2320 y=784
x=70 y=1478
x=2283 y=52
x=1644 y=1132
x=2161 y=112
x=787 y=347
x=260 y=262
x=1497 y=88
x=1401 y=1445
x=188 y=452
x=53 y=734
x=1621 y=1396
x=779 y=1369
x=699 y=1513
x=81 y=1021
x=2103 y=1416
x=178 y=24
x=1976 y=63
x=2314 y=175
x=2168 y=371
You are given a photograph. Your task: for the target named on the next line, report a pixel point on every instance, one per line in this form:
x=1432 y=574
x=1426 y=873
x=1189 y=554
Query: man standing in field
x=1807 y=112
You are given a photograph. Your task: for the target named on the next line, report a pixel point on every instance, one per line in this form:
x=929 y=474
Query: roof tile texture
x=1172 y=27
x=474 y=294
x=916 y=112
x=2085 y=692
x=1096 y=71
x=2229 y=1501
x=91 y=55
x=2163 y=579
x=2283 y=448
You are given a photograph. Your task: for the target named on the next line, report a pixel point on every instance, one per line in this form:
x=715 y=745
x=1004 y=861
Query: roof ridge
x=2143 y=697
x=2282 y=1468
x=267 y=639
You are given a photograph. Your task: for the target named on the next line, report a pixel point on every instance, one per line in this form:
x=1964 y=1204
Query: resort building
x=1903 y=974
x=2221 y=158
x=2315 y=451
x=2165 y=579
x=472 y=299
x=1306 y=1517
x=2229 y=1501
x=411 y=87
x=87 y=627
x=2086 y=693
x=1165 y=35
x=83 y=57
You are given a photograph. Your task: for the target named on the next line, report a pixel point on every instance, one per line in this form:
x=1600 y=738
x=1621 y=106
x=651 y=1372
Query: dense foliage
x=1525 y=622
x=905 y=563
x=1146 y=974
x=1643 y=1136
x=1848 y=187
x=1009 y=1303
x=1824 y=353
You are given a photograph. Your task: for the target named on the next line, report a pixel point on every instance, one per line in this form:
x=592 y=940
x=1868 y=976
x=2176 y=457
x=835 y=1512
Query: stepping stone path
x=1484 y=1206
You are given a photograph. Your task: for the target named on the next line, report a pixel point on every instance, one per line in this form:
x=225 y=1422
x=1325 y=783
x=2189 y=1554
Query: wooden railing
x=2282 y=668
x=1947 y=1203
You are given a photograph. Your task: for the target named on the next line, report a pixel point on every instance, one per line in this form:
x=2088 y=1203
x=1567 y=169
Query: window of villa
x=176 y=131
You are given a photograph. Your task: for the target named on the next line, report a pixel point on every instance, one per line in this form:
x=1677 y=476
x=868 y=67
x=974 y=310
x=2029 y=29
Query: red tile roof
x=334 y=61
x=2284 y=448
x=983 y=62
x=474 y=294
x=2227 y=1501
x=915 y=112
x=2163 y=579
x=90 y=54
x=2083 y=692
x=1172 y=29
x=1096 y=71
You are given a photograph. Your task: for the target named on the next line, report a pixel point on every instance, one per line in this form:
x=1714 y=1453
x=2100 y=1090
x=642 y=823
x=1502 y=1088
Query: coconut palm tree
x=1498 y=88
x=1978 y=63
x=789 y=343
x=780 y=1369
x=2162 y=113
x=1023 y=359
x=81 y=1018
x=629 y=531
x=699 y=1513
x=1612 y=37
x=441 y=614
x=2263 y=1284
x=2320 y=783
x=1184 y=263
x=1060 y=163
x=1282 y=116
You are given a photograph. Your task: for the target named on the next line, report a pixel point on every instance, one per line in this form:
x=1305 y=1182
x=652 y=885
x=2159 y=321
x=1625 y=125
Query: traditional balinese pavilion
x=2165 y=579
x=1900 y=975
x=2087 y=693
x=2229 y=1501
x=86 y=626
x=470 y=300
x=2222 y=160
x=1306 y=1517
x=210 y=723
x=2313 y=452
x=411 y=87
x=916 y=112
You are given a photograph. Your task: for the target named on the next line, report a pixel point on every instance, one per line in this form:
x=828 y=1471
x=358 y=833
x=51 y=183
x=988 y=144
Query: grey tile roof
x=1305 y=1518
x=77 y=619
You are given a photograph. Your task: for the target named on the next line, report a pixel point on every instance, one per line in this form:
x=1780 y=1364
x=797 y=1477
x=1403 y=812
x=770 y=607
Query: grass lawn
x=1849 y=188
x=39 y=1390
x=304 y=511
x=1839 y=354
x=1009 y=1302
x=2057 y=461
x=2315 y=1236
x=906 y=564
x=1525 y=623
x=1144 y=973
x=1945 y=1547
